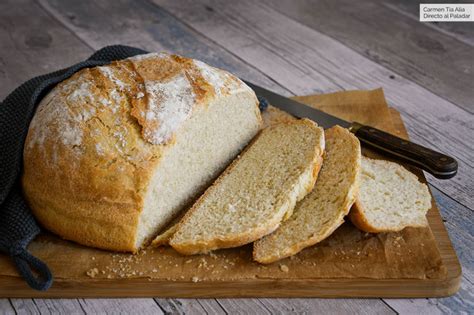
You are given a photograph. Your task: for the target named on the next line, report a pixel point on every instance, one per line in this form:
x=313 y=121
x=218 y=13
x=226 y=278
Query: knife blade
x=438 y=164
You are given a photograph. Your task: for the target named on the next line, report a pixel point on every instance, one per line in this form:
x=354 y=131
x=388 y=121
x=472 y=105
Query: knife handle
x=439 y=165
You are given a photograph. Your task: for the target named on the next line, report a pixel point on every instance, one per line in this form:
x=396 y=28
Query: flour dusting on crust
x=215 y=78
x=108 y=72
x=169 y=105
x=222 y=81
x=54 y=114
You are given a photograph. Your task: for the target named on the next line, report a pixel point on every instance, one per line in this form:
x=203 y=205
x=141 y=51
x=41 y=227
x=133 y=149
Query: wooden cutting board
x=350 y=263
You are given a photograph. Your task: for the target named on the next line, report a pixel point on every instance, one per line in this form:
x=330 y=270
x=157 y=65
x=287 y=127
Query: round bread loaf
x=115 y=152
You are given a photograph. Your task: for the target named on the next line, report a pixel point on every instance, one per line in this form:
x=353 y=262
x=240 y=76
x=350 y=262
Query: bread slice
x=323 y=210
x=256 y=192
x=390 y=198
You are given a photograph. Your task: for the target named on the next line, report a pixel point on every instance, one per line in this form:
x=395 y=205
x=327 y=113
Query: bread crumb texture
x=255 y=193
x=390 y=198
x=323 y=210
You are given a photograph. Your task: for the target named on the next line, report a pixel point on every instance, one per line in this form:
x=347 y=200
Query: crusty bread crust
x=90 y=153
x=234 y=240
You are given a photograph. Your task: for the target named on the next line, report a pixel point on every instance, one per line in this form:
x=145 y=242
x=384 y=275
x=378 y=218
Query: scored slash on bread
x=322 y=210
x=390 y=198
x=256 y=192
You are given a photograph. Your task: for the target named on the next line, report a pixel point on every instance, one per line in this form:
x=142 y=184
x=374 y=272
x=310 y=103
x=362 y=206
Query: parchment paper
x=348 y=253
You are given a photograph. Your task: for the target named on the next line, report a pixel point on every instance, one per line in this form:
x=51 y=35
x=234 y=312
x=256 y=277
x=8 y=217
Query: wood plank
x=32 y=43
x=62 y=306
x=232 y=306
x=312 y=62
x=323 y=288
x=89 y=306
x=243 y=306
x=462 y=31
x=326 y=306
x=436 y=61
x=190 y=306
x=461 y=303
x=24 y=306
x=6 y=307
x=147 y=27
x=212 y=306
x=120 y=306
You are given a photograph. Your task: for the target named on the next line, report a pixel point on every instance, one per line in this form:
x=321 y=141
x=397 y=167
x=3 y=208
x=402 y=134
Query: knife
x=438 y=164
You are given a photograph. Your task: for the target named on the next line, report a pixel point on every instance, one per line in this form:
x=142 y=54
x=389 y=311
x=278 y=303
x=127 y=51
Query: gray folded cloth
x=18 y=227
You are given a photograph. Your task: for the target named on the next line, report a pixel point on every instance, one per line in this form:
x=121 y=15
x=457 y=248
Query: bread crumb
x=93 y=258
x=188 y=261
x=92 y=272
x=284 y=268
x=194 y=279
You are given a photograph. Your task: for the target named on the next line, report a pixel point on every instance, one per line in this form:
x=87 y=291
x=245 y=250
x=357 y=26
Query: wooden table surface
x=292 y=47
